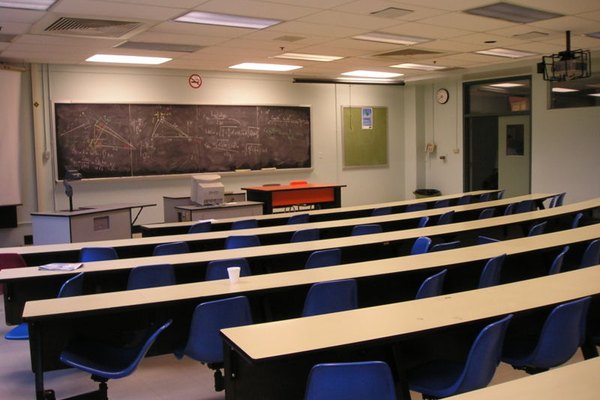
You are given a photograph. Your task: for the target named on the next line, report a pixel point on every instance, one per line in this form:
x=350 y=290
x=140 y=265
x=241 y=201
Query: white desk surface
x=154 y=240
x=299 y=335
x=231 y=204
x=84 y=210
x=301 y=277
x=590 y=232
x=578 y=380
x=339 y=210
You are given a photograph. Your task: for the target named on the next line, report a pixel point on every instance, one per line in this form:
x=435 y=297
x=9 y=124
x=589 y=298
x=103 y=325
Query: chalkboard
x=117 y=140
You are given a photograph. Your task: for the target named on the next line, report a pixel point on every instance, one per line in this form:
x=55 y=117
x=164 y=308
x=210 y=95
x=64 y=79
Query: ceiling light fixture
x=507 y=84
x=41 y=5
x=237 y=21
x=265 y=67
x=372 y=74
x=500 y=52
x=512 y=13
x=308 y=57
x=391 y=38
x=595 y=35
x=420 y=67
x=563 y=90
x=119 y=59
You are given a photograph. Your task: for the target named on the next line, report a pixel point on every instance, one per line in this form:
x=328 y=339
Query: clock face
x=442 y=96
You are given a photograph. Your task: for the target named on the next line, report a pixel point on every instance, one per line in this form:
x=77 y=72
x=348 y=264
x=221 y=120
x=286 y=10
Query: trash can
x=420 y=193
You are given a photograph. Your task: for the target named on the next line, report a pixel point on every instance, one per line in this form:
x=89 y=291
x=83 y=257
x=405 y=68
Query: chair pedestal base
x=100 y=394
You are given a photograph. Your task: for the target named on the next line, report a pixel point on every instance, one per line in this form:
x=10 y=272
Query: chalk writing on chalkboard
x=116 y=140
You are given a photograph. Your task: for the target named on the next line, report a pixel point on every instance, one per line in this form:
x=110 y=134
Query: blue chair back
x=166 y=249
x=366 y=229
x=351 y=381
x=432 y=286
x=204 y=342
x=446 y=218
x=324 y=258
x=244 y=224
x=562 y=334
x=147 y=276
x=558 y=261
x=88 y=254
x=490 y=275
x=331 y=296
x=576 y=220
x=481 y=239
x=381 y=211
x=509 y=209
x=591 y=254
x=423 y=221
x=416 y=207
x=421 y=245
x=500 y=194
x=305 y=235
x=200 y=227
x=72 y=286
x=298 y=219
x=487 y=213
x=445 y=246
x=217 y=269
x=441 y=203
x=485 y=197
x=537 y=229
x=557 y=200
x=524 y=206
x=239 y=241
x=466 y=199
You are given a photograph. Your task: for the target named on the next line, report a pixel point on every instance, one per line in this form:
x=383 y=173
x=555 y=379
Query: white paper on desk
x=61 y=266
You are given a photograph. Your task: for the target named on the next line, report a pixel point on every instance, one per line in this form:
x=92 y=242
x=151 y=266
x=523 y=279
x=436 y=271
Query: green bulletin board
x=365 y=136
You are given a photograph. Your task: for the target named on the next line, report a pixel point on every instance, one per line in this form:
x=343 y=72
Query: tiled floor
x=157 y=378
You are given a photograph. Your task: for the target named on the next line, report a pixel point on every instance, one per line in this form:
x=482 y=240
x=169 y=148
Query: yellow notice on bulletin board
x=365 y=136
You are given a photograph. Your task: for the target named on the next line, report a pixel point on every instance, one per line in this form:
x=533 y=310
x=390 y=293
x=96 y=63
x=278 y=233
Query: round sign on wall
x=195 y=81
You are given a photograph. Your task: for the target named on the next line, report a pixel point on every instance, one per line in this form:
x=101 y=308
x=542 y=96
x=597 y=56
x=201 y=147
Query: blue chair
x=490 y=275
x=441 y=203
x=351 y=381
x=509 y=210
x=201 y=227
x=239 y=241
x=576 y=220
x=324 y=258
x=381 y=211
x=557 y=200
x=298 y=219
x=466 y=199
x=88 y=254
x=558 y=262
x=591 y=254
x=482 y=239
x=537 y=229
x=524 y=206
x=500 y=194
x=71 y=287
x=217 y=269
x=444 y=378
x=105 y=361
x=445 y=246
x=204 y=342
x=562 y=334
x=166 y=249
x=485 y=197
x=147 y=276
x=423 y=221
x=446 y=218
x=487 y=213
x=329 y=297
x=432 y=286
x=366 y=229
x=416 y=207
x=244 y=224
x=421 y=245
x=305 y=235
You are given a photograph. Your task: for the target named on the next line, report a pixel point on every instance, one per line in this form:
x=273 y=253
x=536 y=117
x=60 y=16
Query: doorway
x=497 y=135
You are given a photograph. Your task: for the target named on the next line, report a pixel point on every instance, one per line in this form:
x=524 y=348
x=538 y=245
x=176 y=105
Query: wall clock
x=442 y=96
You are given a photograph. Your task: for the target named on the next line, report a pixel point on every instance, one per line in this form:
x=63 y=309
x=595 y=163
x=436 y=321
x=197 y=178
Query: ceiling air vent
x=289 y=38
x=407 y=53
x=92 y=27
x=152 y=46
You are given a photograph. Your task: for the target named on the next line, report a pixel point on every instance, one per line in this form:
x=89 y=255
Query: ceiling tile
x=123 y=11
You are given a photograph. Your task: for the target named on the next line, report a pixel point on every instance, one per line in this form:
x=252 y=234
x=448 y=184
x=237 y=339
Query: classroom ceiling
x=318 y=27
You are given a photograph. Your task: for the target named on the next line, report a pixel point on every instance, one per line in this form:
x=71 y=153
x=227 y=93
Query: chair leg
x=219 y=381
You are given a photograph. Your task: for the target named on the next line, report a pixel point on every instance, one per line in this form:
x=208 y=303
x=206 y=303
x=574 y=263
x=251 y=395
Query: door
x=514 y=154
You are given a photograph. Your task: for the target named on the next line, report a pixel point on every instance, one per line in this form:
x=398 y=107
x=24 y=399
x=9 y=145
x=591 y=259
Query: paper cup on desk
x=234 y=274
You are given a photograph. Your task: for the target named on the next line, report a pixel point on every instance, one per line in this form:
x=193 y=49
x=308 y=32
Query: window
x=577 y=93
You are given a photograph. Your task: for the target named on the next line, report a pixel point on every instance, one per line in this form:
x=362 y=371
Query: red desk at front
x=321 y=195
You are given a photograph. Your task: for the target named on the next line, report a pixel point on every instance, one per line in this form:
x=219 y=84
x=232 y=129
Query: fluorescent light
x=499 y=52
x=594 y=94
x=236 y=21
x=372 y=74
x=265 y=67
x=512 y=13
x=420 y=67
x=595 y=35
x=391 y=38
x=563 y=90
x=118 y=59
x=308 y=57
x=42 y=5
x=507 y=85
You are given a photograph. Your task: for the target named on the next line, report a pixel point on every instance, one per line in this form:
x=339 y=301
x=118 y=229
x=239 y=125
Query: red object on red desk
x=323 y=195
